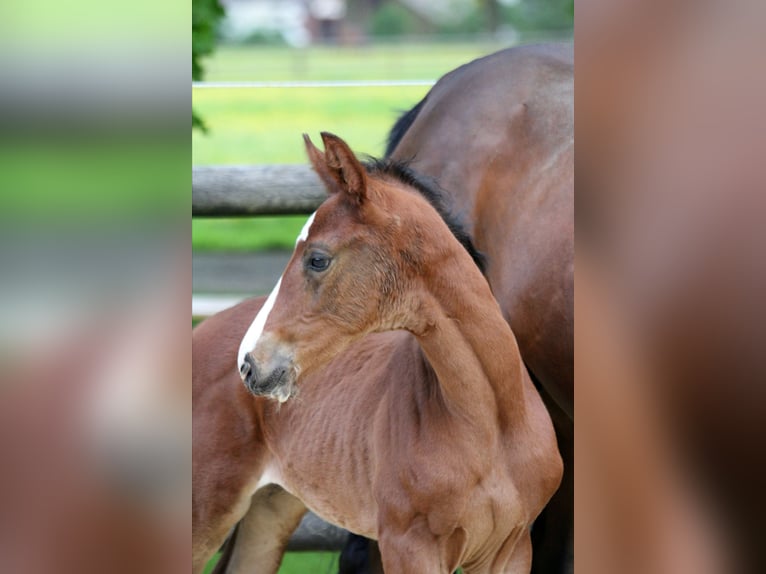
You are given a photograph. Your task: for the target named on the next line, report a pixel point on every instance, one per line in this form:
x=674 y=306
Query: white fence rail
x=313 y=84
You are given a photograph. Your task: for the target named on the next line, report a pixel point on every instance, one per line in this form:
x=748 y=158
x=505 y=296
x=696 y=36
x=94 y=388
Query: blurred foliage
x=392 y=19
x=538 y=15
x=205 y=17
x=475 y=22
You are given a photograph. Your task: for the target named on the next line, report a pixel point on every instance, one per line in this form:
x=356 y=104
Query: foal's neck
x=469 y=344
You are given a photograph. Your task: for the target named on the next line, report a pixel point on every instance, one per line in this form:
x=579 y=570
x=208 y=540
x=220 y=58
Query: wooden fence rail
x=224 y=191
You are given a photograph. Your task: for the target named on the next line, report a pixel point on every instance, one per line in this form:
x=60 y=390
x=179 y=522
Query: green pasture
x=300 y=563
x=391 y=61
x=265 y=125
x=262 y=126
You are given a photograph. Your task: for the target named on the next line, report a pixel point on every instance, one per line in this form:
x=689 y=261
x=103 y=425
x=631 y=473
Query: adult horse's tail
x=402 y=125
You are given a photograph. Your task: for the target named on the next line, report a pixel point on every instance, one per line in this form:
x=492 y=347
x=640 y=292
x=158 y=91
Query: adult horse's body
x=498 y=135
x=431 y=439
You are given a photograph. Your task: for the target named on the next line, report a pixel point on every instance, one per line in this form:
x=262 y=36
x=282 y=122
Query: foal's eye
x=318 y=262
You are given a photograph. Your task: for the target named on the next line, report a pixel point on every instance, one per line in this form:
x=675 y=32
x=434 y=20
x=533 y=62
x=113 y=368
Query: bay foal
x=390 y=396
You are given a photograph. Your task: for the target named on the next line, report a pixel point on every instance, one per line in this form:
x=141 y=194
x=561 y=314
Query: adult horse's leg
x=263 y=533
x=360 y=555
x=553 y=530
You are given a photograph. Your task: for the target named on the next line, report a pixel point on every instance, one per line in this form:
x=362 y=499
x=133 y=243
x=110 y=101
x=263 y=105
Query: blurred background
x=95 y=418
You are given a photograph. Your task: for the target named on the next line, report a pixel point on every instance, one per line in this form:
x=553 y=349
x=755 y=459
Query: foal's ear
x=319 y=163
x=339 y=168
x=351 y=173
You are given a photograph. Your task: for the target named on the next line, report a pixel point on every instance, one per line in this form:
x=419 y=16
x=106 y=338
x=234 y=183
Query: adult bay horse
x=498 y=135
x=382 y=388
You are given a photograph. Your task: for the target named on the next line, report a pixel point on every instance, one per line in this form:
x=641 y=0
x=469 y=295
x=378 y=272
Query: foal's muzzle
x=272 y=377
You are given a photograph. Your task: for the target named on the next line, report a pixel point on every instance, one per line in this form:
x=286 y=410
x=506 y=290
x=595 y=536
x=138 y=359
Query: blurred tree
x=492 y=9
x=529 y=17
x=205 y=17
x=539 y=15
x=392 y=19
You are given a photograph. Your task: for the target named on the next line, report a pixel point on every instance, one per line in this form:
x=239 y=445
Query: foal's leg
x=552 y=533
x=209 y=534
x=520 y=561
x=418 y=551
x=222 y=495
x=514 y=557
x=410 y=556
x=264 y=531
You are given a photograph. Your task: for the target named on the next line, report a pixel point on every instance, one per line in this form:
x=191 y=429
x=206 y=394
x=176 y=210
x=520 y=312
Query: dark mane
x=430 y=190
x=402 y=125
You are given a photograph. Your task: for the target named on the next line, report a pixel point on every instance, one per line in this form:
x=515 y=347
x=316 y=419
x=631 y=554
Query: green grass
x=266 y=125
x=246 y=234
x=261 y=126
x=299 y=563
x=391 y=61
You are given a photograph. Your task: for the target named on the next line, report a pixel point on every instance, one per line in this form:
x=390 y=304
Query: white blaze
x=256 y=329
x=305 y=231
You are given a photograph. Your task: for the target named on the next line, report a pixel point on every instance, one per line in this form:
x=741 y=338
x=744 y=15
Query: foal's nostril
x=247 y=366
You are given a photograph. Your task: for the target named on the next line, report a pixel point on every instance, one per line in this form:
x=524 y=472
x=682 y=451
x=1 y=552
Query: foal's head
x=361 y=264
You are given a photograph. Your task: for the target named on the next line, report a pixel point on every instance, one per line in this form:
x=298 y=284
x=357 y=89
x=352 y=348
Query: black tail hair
x=429 y=188
x=401 y=126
